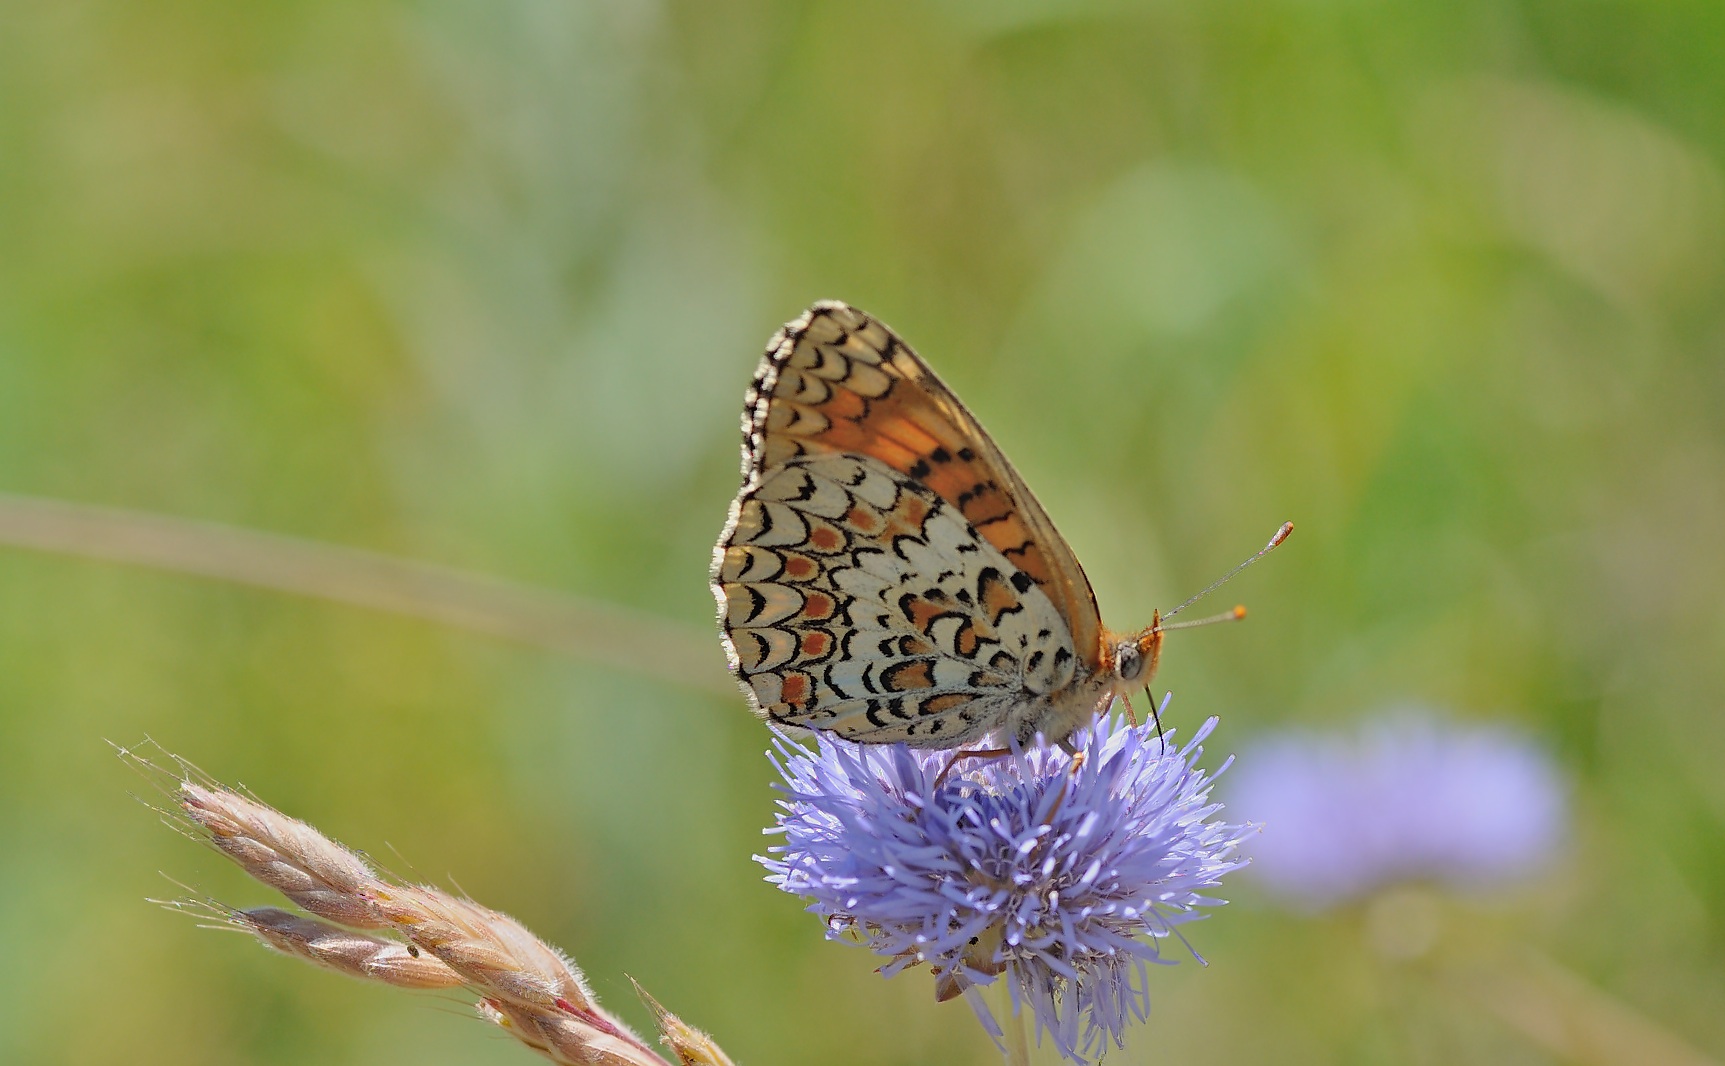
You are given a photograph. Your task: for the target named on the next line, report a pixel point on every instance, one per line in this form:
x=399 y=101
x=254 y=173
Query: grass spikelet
x=527 y=988
x=691 y=1046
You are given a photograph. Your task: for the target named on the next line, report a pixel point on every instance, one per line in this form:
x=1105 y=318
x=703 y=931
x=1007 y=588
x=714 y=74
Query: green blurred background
x=482 y=283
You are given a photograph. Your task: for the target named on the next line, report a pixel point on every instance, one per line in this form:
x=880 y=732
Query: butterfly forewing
x=837 y=380
x=885 y=573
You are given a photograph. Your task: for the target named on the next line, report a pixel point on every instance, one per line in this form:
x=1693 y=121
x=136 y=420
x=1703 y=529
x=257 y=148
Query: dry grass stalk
x=527 y=987
x=1571 y=1019
x=592 y=630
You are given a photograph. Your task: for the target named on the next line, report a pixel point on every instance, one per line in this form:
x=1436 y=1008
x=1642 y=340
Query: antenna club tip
x=1239 y=611
x=1281 y=535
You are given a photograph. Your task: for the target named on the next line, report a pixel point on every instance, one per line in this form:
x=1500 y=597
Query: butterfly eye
x=1128 y=661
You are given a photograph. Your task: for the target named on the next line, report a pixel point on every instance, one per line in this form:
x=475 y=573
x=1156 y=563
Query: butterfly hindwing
x=855 y=599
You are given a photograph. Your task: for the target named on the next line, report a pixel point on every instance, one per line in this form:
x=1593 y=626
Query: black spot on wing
x=898 y=544
x=976 y=491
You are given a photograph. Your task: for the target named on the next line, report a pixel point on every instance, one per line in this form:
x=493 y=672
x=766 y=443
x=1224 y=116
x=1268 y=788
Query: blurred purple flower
x=1409 y=798
x=1017 y=865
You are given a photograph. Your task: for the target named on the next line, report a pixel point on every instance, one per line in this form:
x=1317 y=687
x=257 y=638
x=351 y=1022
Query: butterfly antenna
x=1238 y=612
x=1232 y=614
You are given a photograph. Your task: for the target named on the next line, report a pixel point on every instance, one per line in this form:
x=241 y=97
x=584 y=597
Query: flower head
x=1407 y=798
x=1063 y=873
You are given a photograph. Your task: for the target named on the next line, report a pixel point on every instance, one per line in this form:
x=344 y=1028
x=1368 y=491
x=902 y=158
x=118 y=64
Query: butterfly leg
x=978 y=753
x=1060 y=796
x=1077 y=765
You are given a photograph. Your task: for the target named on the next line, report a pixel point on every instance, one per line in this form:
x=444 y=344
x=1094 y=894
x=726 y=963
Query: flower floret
x=1061 y=872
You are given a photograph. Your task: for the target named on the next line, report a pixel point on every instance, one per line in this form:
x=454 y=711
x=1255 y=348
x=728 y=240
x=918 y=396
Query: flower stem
x=1012 y=1022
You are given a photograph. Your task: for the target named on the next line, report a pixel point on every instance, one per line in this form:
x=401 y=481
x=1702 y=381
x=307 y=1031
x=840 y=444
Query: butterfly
x=885 y=574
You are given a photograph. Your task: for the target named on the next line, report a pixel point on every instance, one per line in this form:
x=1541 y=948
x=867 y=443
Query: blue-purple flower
x=1409 y=797
x=1063 y=873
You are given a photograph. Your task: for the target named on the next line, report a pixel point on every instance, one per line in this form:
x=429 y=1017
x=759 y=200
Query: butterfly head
x=1134 y=657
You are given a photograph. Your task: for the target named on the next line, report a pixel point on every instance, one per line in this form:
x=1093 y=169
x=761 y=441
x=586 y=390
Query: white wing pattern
x=884 y=573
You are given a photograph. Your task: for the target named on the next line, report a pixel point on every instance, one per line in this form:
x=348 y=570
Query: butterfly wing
x=885 y=572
